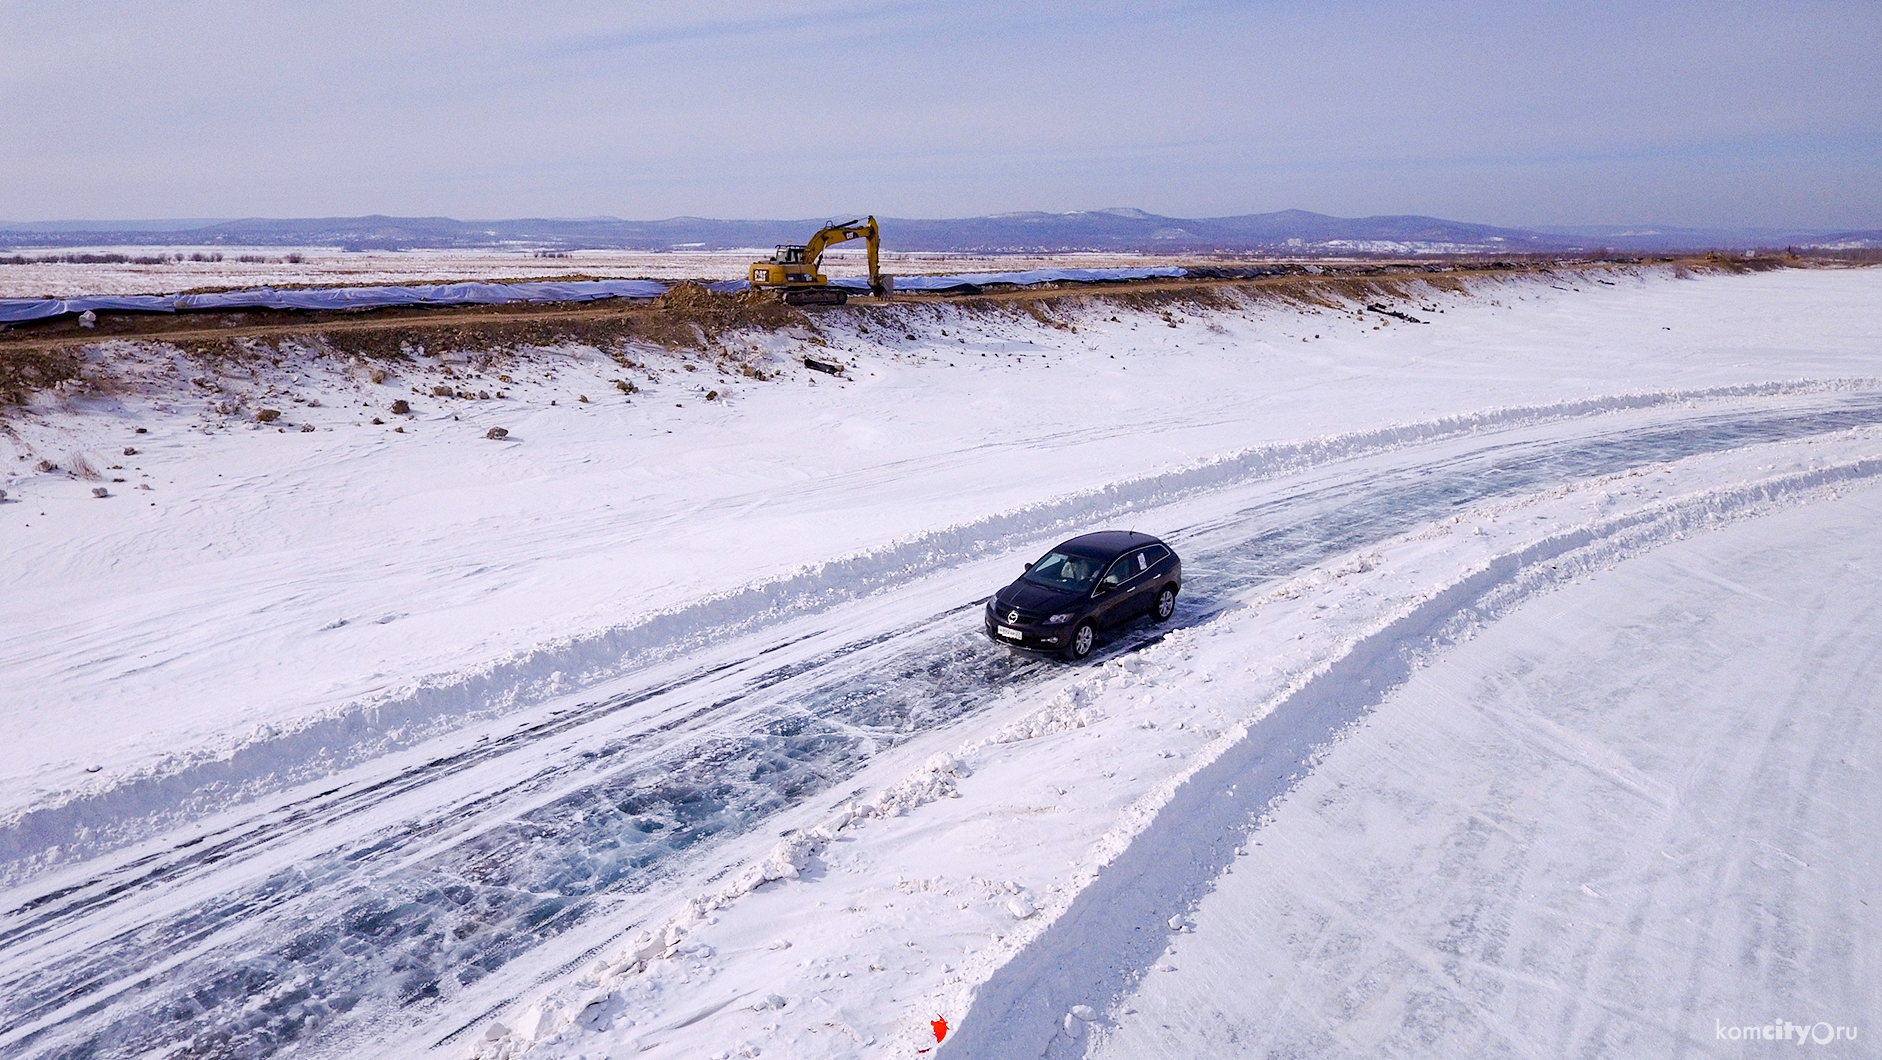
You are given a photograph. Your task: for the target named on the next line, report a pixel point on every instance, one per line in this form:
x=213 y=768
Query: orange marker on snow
x=940 y=1025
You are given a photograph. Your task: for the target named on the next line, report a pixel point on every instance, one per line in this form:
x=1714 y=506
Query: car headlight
x=1059 y=618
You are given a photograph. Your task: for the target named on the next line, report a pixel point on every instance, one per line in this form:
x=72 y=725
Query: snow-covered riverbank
x=286 y=613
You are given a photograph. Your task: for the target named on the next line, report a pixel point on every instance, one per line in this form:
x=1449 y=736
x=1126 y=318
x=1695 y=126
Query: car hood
x=1029 y=596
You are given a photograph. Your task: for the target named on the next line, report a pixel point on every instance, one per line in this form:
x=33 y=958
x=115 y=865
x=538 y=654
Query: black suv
x=1085 y=585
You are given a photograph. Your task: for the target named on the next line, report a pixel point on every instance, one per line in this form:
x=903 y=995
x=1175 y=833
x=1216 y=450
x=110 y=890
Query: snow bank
x=1177 y=841
x=480 y=660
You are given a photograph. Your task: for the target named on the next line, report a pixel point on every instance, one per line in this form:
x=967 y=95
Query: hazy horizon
x=1703 y=115
x=158 y=224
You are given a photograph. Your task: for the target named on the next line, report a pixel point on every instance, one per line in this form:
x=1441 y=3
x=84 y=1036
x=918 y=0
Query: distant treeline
x=160 y=259
x=1862 y=254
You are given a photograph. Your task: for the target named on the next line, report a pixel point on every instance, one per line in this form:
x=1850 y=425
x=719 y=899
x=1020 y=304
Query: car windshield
x=1060 y=570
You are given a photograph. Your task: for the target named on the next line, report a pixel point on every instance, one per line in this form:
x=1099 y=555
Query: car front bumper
x=1035 y=638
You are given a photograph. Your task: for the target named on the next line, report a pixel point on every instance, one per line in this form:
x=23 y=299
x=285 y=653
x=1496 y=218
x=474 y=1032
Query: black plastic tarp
x=13 y=310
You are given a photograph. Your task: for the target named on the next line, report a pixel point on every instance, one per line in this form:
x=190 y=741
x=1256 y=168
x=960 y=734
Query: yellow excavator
x=792 y=269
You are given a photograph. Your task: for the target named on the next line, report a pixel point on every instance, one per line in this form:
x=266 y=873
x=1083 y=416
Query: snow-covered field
x=1520 y=699
x=327 y=266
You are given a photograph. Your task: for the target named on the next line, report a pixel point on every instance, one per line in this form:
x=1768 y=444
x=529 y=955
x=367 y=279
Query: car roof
x=1107 y=543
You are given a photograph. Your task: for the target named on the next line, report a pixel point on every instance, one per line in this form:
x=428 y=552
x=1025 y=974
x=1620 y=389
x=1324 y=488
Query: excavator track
x=814 y=295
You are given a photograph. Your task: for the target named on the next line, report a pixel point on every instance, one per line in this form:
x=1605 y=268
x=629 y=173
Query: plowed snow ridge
x=1171 y=842
x=1175 y=846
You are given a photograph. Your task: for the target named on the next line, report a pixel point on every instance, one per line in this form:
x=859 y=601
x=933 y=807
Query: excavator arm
x=833 y=234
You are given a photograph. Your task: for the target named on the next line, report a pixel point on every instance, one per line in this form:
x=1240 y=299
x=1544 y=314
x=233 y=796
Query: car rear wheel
x=1166 y=605
x=1082 y=639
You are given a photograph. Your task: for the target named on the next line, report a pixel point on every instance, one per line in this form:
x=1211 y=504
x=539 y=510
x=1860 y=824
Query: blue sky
x=1766 y=114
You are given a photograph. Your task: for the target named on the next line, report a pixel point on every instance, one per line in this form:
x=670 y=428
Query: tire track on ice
x=197 y=784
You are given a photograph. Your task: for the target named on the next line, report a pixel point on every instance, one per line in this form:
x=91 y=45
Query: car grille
x=1027 y=618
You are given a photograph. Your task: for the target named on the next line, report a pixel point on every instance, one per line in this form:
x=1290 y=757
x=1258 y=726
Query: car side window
x=1127 y=567
x=1155 y=554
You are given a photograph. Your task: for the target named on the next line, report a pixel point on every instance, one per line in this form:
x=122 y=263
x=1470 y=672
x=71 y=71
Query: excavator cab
x=793 y=270
x=789 y=270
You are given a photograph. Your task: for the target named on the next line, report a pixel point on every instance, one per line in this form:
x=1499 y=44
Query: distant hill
x=1119 y=229
x=1660 y=237
x=175 y=225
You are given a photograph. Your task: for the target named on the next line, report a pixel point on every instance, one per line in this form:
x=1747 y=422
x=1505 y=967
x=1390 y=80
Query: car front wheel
x=1082 y=639
x=1166 y=605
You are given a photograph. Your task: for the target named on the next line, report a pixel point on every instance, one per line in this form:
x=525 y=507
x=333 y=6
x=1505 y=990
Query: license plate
x=1009 y=634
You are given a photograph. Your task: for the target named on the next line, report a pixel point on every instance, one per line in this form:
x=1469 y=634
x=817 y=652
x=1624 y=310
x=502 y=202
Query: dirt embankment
x=64 y=352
